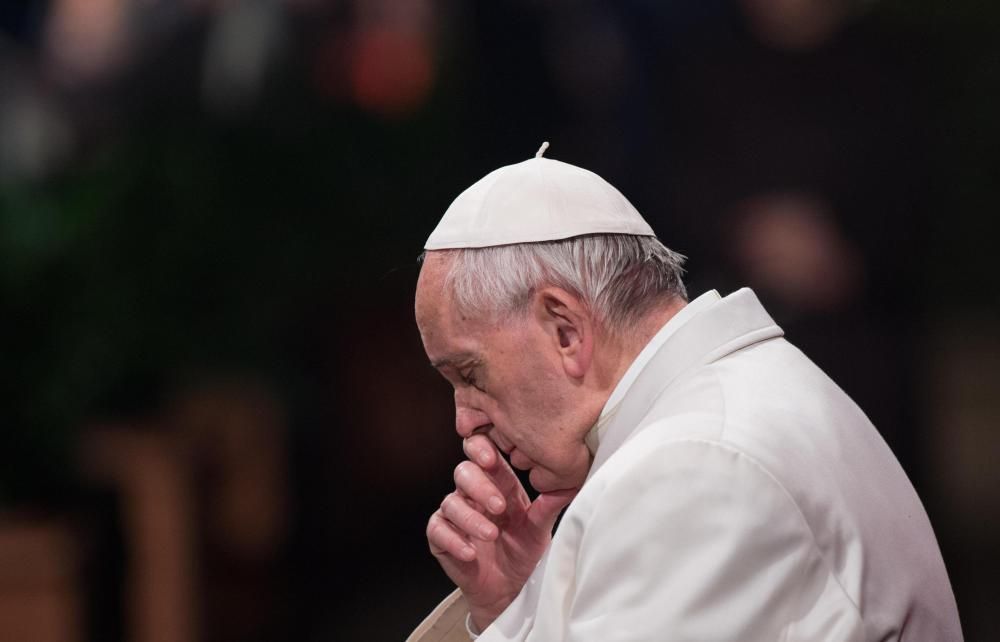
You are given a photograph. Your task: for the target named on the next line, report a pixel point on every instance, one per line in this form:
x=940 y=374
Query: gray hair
x=620 y=277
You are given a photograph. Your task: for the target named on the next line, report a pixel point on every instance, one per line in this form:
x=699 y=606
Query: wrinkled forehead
x=433 y=300
x=443 y=324
x=445 y=332
x=436 y=264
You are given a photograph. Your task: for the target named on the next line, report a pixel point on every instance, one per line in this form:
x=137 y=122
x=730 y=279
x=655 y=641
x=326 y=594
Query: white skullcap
x=536 y=200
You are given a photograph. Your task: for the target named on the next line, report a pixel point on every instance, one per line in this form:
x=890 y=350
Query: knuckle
x=469 y=520
x=436 y=530
x=459 y=513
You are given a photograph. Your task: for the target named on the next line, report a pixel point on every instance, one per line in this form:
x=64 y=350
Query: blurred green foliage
x=189 y=243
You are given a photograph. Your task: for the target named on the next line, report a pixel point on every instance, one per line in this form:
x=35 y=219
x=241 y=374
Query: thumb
x=547 y=506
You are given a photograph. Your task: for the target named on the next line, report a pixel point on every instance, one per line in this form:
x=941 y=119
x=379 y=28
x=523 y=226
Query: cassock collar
x=674 y=323
x=723 y=326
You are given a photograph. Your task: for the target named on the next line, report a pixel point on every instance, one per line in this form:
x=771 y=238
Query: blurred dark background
x=216 y=419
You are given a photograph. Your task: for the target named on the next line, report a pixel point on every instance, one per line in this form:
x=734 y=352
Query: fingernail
x=484 y=457
x=486 y=531
x=468 y=553
x=496 y=504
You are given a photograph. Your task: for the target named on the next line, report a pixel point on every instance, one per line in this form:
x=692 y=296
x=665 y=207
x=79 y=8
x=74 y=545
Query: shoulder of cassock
x=732 y=550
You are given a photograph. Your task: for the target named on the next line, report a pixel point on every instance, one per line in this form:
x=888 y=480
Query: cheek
x=532 y=410
x=527 y=396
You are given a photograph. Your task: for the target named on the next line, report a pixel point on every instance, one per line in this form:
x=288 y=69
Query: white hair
x=619 y=277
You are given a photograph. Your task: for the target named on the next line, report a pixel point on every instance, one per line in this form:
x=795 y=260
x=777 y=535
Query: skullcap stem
x=541 y=150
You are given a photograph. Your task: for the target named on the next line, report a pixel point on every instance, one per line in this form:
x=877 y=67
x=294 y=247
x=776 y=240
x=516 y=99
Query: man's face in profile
x=509 y=382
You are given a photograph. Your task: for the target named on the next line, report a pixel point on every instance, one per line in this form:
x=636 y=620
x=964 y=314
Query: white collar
x=675 y=322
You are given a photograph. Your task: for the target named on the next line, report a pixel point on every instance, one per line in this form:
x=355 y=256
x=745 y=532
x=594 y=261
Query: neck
x=621 y=350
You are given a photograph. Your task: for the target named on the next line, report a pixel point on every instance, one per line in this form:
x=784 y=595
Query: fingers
x=469 y=521
x=488 y=494
x=475 y=484
x=452 y=526
x=444 y=539
x=547 y=506
x=480 y=449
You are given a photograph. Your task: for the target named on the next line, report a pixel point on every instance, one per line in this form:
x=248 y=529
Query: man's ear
x=569 y=325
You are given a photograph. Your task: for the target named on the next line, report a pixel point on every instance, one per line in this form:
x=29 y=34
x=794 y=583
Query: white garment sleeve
x=693 y=540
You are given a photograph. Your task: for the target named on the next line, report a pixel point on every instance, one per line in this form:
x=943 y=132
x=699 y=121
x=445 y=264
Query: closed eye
x=469 y=378
x=463 y=367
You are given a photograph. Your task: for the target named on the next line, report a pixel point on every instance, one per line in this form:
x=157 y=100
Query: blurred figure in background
x=202 y=491
x=797 y=161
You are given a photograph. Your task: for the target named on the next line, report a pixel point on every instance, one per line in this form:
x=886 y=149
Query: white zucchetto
x=536 y=200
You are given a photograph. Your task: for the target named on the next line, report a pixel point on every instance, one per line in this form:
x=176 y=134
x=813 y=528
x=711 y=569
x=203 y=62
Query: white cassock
x=736 y=494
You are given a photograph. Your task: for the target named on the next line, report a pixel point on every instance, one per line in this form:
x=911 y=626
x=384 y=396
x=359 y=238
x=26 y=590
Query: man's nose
x=468 y=420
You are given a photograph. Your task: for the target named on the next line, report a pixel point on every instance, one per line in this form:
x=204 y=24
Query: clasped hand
x=487 y=535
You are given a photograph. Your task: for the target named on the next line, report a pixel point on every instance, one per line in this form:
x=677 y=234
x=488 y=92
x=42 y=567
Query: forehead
x=442 y=328
x=432 y=295
x=451 y=336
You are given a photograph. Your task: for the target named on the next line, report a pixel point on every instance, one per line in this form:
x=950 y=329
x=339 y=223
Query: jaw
x=545 y=481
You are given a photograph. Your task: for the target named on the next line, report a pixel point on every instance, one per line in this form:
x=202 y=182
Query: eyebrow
x=453 y=360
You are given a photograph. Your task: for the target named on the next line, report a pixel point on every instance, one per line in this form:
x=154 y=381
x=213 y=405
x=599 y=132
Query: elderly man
x=719 y=486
